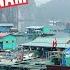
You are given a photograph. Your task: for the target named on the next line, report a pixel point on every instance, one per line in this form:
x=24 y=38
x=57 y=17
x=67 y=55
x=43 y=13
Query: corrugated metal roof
x=47 y=42
x=35 y=27
x=6 y=24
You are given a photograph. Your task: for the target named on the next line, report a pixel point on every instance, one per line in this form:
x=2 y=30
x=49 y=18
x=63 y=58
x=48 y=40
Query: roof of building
x=6 y=24
x=3 y=34
x=48 y=42
x=47 y=29
x=35 y=27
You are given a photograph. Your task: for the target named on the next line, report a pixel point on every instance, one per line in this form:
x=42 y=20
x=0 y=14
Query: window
x=12 y=41
x=6 y=41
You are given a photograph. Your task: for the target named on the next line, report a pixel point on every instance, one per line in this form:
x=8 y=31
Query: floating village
x=35 y=36
x=41 y=48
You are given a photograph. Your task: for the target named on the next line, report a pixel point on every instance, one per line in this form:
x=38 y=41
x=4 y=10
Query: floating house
x=7 y=41
x=34 y=31
x=5 y=27
x=47 y=42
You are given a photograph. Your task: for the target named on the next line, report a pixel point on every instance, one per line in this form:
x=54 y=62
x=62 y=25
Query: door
x=1 y=45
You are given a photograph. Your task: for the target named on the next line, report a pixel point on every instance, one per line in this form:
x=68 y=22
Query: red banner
x=11 y=3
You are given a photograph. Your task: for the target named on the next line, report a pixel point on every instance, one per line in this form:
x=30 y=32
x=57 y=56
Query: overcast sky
x=40 y=2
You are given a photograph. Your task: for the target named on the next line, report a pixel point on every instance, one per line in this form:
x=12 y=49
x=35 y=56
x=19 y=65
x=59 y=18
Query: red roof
x=3 y=34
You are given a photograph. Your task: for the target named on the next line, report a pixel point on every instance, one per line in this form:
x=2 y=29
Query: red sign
x=10 y=3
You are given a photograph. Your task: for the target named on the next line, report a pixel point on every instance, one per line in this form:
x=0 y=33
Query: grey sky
x=40 y=2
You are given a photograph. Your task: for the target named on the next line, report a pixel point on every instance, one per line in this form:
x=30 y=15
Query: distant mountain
x=40 y=15
x=55 y=9
x=32 y=14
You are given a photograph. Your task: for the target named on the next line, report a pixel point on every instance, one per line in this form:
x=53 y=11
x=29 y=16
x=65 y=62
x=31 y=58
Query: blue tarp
x=67 y=51
x=66 y=57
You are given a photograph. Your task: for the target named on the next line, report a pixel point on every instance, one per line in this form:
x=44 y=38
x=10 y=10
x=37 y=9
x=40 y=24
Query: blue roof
x=6 y=24
x=67 y=51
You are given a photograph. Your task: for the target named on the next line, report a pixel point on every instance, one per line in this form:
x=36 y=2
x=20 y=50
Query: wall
x=9 y=42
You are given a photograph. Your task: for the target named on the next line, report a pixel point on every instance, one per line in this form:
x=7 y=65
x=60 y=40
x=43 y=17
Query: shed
x=7 y=41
